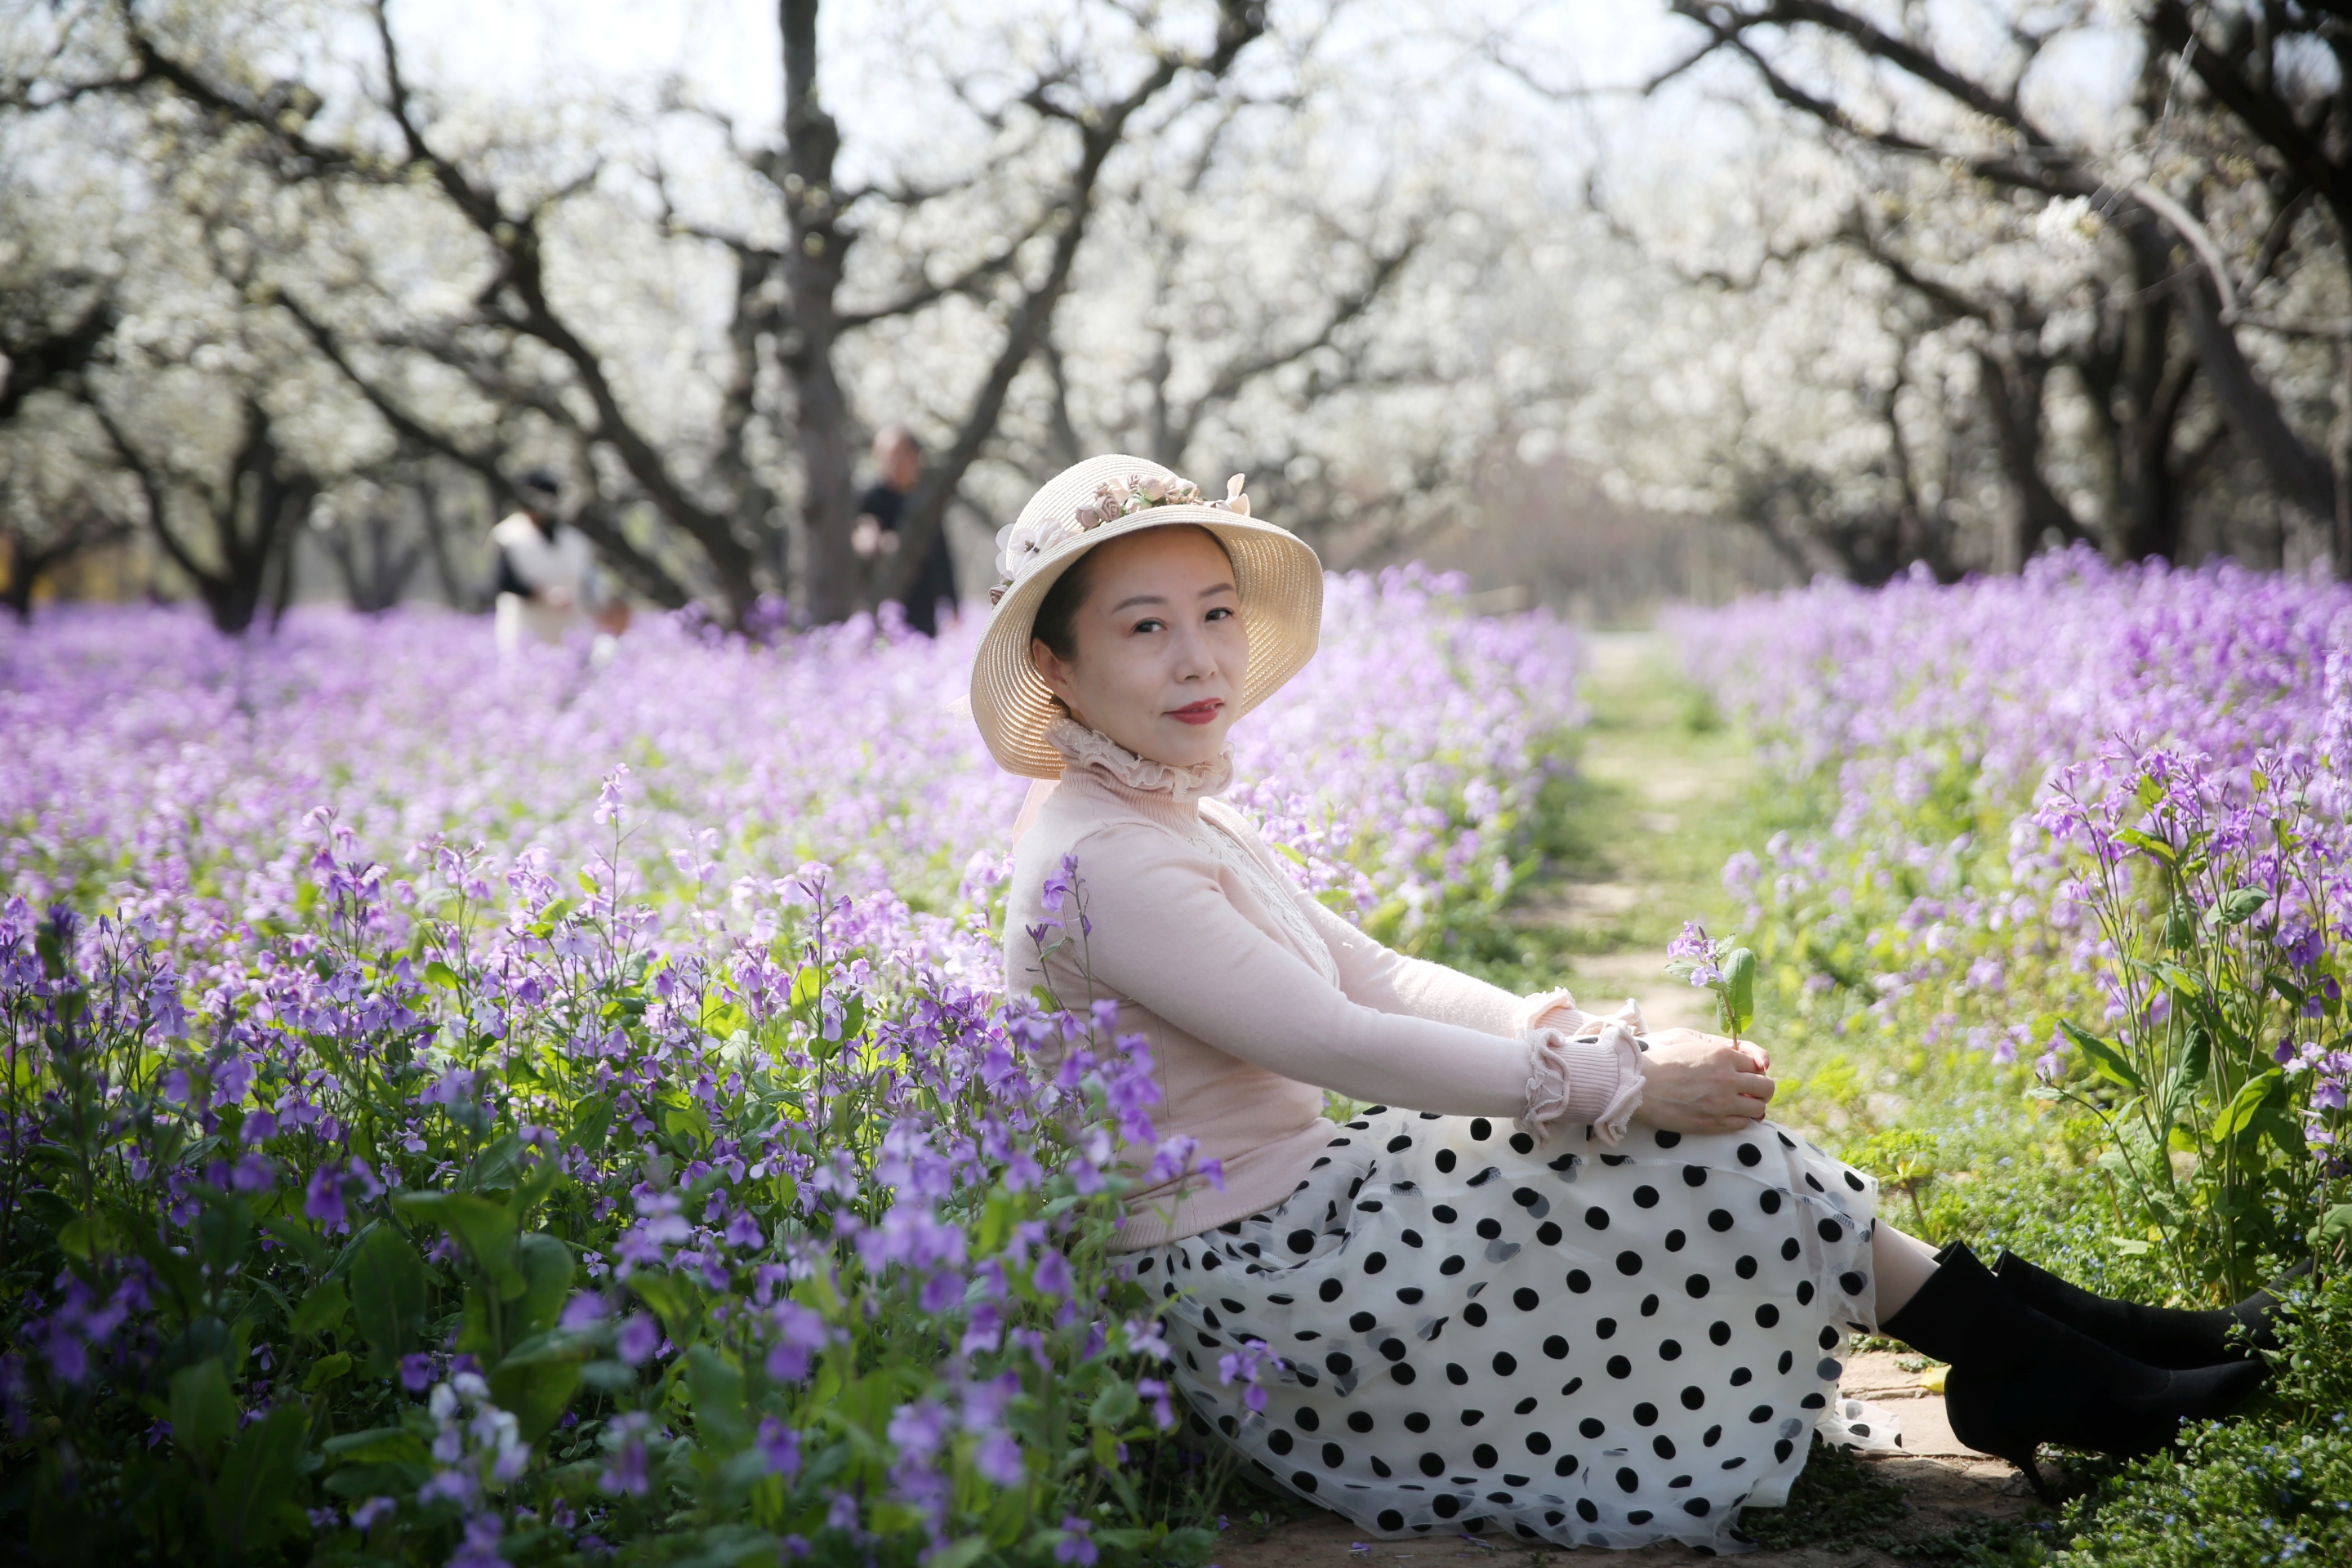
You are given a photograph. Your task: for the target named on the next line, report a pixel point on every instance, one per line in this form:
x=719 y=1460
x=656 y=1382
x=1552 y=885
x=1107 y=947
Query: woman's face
x=1161 y=653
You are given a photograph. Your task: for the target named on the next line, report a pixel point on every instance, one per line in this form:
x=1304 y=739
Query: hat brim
x=1278 y=578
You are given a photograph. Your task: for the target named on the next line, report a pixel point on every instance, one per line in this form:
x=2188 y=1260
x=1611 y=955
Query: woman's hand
x=1703 y=1083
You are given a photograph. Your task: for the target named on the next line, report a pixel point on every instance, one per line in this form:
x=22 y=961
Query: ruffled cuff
x=1592 y=1078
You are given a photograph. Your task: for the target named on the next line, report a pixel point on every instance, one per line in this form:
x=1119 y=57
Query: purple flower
x=585 y=1311
x=918 y=1428
x=1052 y=1275
x=1076 y=1545
x=997 y=1457
x=322 y=1201
x=253 y=1174
x=480 y=1547
x=415 y=1372
x=781 y=1447
x=800 y=1335
x=639 y=1337
x=373 y=1512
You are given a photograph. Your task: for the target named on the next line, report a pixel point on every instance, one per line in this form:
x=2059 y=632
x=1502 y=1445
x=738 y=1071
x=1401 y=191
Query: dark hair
x=538 y=482
x=1056 y=622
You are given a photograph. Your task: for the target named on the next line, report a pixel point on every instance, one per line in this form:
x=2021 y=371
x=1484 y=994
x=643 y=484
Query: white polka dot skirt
x=1576 y=1344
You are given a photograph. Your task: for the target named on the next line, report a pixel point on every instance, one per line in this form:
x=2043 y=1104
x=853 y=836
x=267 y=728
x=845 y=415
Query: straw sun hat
x=1279 y=579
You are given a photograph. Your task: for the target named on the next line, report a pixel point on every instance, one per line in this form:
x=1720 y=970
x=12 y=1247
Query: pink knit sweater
x=1255 y=998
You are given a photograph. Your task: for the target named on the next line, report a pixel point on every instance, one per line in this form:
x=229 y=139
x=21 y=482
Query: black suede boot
x=2160 y=1336
x=2020 y=1379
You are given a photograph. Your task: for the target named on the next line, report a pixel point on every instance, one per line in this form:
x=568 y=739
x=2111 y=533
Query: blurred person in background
x=898 y=464
x=548 y=580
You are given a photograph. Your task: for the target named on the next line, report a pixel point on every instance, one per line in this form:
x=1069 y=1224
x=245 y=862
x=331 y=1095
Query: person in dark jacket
x=898 y=463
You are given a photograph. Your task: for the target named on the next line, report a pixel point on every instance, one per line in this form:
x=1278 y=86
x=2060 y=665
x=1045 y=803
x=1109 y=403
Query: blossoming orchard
x=461 y=1115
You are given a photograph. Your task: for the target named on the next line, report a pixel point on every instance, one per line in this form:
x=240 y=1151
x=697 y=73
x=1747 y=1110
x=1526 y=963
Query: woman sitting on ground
x=1565 y=1276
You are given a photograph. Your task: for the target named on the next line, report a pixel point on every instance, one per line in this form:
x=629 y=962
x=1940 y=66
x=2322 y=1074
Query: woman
x=1563 y=1278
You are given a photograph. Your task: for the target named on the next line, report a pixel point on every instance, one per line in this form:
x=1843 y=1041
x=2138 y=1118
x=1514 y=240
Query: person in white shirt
x=548 y=580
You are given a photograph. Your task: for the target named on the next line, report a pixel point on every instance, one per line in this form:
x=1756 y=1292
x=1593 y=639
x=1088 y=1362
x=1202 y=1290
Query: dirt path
x=1666 y=786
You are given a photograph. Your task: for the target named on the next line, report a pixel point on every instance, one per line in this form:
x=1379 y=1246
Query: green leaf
x=439 y=973
x=1115 y=1405
x=203 y=1411
x=2334 y=1226
x=484 y=1228
x=716 y=1385
x=2186 y=1075
x=256 y=1482
x=379 y=1445
x=590 y=1119
x=2240 y=1112
x=535 y=1388
x=325 y=1370
x=2240 y=907
x=674 y=1301
x=545 y=1265
x=1739 y=989
x=2104 y=1058
x=2155 y=848
x=321 y=1311
x=806 y=985
x=387 y=1295
x=86 y=1237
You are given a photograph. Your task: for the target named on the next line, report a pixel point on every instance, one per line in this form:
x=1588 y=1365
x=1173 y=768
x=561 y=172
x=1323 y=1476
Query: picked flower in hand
x=1714 y=963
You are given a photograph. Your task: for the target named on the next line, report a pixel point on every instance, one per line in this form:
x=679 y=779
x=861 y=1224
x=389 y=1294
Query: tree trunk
x=824 y=430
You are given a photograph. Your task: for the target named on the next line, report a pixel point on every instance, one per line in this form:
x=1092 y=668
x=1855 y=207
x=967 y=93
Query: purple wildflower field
x=461 y=1114
x=2094 y=820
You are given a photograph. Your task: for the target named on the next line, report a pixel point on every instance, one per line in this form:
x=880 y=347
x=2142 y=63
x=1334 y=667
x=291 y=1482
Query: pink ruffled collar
x=1083 y=747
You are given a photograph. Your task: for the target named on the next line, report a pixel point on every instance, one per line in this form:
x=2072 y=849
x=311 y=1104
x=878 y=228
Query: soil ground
x=1669 y=795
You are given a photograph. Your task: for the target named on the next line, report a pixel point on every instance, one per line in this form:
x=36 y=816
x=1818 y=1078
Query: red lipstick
x=1200 y=712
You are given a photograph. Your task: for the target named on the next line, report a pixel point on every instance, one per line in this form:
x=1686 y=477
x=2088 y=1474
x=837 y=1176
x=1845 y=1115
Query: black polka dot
x=1397 y=1145
x=1333 y=1456
x=1829 y=1338
x=1538 y=1444
x=1767 y=1315
x=1504 y=1364
x=1693 y=1175
x=1697 y=1506
x=1788 y=1359
x=1432 y=1464
x=1697 y=1285
x=1718 y=1220
x=1745 y=1267
x=1280 y=1441
x=1402 y=1372
x=1804 y=1292
x=1586 y=1511
x=1475 y=1315
x=1629 y=1263
x=1719 y=1333
x=1548 y=1234
x=1645 y=1414
x=1301 y=1241
x=1597 y=1217
x=1646 y=1196
x=1618 y=1367
x=1782 y=1449
x=1330 y=1289
x=1446 y=1507
x=1452 y=1266
x=1591 y=1427
x=1375 y=1262
x=1307 y=1420
x=1770 y=1201
x=1827 y=1370
x=1556 y=1348
x=1751 y=1155
x=1490 y=1227
x=1389 y=1519
x=1832 y=1232
x=1443 y=1214
x=1410 y=1295
x=1472 y=1418
x=1525 y=1407
x=1692 y=1397
x=1522 y=1144
x=1526 y=1197
x=1790 y=1249
x=1579 y=1281
x=1627 y=1480
x=1677 y=1241
x=1447 y=1160
x=1416 y=1421
x=1393 y=1349
x=1338 y=1363
x=1741 y=1377
x=1760 y=1414
x=1359 y=1421
x=1670 y=1350
x=1606 y=1328
x=1639 y=1516
x=1526 y=1299
x=1854 y=1182
x=1853 y=1283
x=1362 y=1322
x=1481 y=1128
x=1668 y=1139
x=1484 y=1457
x=1456 y=1374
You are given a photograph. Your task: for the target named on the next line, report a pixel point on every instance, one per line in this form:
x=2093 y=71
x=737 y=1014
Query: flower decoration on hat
x=1020 y=546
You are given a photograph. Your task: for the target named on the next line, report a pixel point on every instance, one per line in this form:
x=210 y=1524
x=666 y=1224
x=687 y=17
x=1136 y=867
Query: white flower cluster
x=1020 y=545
